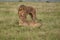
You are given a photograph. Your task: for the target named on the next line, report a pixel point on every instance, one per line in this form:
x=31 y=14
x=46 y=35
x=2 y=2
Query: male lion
x=23 y=11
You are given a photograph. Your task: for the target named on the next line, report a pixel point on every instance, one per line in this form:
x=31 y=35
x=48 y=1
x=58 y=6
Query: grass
x=47 y=13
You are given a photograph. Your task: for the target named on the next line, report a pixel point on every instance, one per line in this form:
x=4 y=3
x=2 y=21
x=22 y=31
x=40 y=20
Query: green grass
x=48 y=14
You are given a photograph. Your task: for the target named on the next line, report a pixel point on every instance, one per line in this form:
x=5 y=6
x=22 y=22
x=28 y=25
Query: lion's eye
x=20 y=9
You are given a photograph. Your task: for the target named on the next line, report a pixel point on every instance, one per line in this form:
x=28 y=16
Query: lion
x=23 y=11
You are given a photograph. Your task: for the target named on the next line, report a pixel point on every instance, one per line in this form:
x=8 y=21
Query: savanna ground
x=48 y=14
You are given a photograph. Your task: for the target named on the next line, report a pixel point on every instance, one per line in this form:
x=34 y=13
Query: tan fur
x=23 y=11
